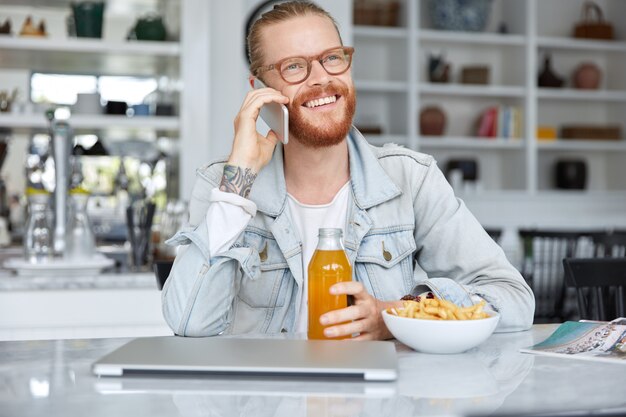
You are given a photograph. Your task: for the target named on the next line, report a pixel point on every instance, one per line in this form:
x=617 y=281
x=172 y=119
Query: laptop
x=222 y=356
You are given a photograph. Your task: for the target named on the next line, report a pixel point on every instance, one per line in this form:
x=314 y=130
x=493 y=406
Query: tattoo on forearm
x=237 y=180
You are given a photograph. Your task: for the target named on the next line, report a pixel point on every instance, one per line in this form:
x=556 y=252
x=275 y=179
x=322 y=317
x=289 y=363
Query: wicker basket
x=475 y=75
x=590 y=28
x=376 y=12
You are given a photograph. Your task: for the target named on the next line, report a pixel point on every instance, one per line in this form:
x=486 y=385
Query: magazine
x=598 y=341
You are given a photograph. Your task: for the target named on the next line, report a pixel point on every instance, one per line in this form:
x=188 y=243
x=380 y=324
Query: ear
x=251 y=80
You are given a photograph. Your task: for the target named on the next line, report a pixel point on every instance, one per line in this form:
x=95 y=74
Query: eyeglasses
x=296 y=69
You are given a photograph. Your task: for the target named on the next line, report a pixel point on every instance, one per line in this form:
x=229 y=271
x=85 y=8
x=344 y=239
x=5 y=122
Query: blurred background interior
x=522 y=103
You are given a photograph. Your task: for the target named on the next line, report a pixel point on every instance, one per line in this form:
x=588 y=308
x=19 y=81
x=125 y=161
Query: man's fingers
x=348 y=287
x=346 y=329
x=265 y=95
x=271 y=136
x=341 y=315
x=253 y=107
x=363 y=336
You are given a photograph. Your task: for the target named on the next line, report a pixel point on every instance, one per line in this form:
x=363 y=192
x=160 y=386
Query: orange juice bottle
x=329 y=265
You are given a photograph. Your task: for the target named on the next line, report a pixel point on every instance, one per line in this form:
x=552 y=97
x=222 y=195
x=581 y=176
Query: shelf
x=448 y=142
x=86 y=55
x=137 y=5
x=379 y=32
x=91 y=45
x=381 y=86
x=471 y=90
x=480 y=38
x=580 y=44
x=583 y=145
x=38 y=122
x=586 y=95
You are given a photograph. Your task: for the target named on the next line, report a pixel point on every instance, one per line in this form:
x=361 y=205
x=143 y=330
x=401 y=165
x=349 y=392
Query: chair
x=542 y=268
x=162 y=271
x=609 y=244
x=600 y=286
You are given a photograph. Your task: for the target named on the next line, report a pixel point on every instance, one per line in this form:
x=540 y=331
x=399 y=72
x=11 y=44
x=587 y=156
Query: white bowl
x=440 y=336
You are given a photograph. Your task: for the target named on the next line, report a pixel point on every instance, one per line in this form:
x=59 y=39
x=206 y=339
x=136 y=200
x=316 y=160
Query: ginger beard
x=323 y=129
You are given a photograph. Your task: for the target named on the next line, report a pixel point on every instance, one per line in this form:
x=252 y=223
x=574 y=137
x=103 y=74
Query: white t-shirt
x=308 y=219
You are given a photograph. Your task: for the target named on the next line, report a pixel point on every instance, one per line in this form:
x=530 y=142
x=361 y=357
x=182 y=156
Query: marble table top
x=53 y=378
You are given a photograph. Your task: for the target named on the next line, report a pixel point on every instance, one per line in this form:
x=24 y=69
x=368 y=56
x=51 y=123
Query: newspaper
x=596 y=341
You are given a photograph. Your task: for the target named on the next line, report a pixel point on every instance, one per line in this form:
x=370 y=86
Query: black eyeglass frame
x=347 y=50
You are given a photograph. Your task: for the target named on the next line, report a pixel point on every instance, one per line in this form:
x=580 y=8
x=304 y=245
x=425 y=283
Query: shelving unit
x=391 y=95
x=186 y=61
x=110 y=55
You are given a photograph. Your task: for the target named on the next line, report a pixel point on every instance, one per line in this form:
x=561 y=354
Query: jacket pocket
x=248 y=319
x=263 y=291
x=384 y=263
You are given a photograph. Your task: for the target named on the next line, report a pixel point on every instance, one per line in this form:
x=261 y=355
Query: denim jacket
x=406 y=232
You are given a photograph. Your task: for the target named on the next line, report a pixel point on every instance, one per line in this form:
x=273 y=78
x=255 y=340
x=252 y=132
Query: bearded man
x=254 y=216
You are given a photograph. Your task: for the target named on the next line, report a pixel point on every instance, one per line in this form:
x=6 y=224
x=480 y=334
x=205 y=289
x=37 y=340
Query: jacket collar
x=370 y=183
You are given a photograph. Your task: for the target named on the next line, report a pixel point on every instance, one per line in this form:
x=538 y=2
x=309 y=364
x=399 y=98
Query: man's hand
x=363 y=317
x=251 y=149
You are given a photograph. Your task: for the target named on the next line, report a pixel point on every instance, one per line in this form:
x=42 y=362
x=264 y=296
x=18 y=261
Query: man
x=254 y=217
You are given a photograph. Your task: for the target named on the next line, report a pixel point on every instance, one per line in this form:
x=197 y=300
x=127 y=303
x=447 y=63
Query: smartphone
x=275 y=115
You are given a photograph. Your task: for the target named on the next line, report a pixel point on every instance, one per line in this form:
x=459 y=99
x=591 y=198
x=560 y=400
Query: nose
x=318 y=75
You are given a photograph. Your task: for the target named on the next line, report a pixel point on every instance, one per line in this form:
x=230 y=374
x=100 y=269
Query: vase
x=547 y=76
x=88 y=17
x=587 y=76
x=459 y=15
x=432 y=121
x=149 y=28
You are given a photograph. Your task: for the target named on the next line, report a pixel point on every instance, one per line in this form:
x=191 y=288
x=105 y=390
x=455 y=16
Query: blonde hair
x=280 y=13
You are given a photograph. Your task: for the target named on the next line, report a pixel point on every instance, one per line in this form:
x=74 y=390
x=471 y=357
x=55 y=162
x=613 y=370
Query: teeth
x=320 y=101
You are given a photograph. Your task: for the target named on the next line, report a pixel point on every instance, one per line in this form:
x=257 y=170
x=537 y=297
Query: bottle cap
x=327 y=232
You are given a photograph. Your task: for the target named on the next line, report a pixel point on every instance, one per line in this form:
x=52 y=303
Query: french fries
x=438 y=309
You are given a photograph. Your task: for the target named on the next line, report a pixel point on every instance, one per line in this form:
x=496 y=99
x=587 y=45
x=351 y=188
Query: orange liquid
x=327 y=267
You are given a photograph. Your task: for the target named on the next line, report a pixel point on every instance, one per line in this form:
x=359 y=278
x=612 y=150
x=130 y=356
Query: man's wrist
x=237 y=180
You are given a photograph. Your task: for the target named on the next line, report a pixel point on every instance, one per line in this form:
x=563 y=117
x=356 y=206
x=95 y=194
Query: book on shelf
x=589 y=340
x=500 y=122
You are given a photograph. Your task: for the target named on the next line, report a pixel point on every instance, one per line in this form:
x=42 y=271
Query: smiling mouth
x=323 y=101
